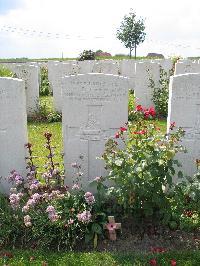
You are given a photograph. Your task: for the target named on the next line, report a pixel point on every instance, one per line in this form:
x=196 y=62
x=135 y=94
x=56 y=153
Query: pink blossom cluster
x=27 y=221
x=53 y=216
x=15 y=199
x=35 y=185
x=84 y=217
x=31 y=202
x=56 y=194
x=75 y=187
x=89 y=198
x=16 y=178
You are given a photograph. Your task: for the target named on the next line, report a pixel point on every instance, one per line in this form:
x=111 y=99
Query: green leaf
x=95 y=241
x=96 y=228
x=180 y=174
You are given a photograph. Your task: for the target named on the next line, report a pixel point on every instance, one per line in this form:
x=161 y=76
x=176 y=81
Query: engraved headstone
x=184 y=110
x=57 y=71
x=30 y=74
x=94 y=107
x=143 y=90
x=13 y=128
x=186 y=67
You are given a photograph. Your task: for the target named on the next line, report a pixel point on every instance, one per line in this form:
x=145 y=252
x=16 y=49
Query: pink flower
x=89 y=198
x=71 y=221
x=172 y=125
x=27 y=221
x=98 y=179
x=117 y=135
x=84 y=217
x=75 y=187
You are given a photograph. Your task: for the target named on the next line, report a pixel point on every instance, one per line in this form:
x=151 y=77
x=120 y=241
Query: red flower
x=117 y=135
x=173 y=262
x=172 y=125
x=153 y=262
x=152 y=111
x=139 y=108
x=141 y=132
x=158 y=249
x=146 y=114
x=122 y=129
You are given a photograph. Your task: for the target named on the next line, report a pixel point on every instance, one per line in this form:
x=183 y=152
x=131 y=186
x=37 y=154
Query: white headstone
x=184 y=110
x=30 y=74
x=86 y=66
x=94 y=108
x=127 y=69
x=58 y=71
x=13 y=128
x=183 y=68
x=143 y=91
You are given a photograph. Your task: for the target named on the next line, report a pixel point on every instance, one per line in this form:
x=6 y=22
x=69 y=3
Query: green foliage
x=41 y=257
x=186 y=203
x=143 y=168
x=131 y=32
x=87 y=55
x=4 y=72
x=45 y=212
x=44 y=82
x=45 y=112
x=161 y=93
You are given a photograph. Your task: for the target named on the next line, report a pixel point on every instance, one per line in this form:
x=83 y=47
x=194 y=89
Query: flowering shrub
x=141 y=113
x=186 y=203
x=161 y=93
x=143 y=168
x=48 y=213
x=45 y=89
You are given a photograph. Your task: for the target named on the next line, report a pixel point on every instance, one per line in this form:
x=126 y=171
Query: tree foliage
x=131 y=31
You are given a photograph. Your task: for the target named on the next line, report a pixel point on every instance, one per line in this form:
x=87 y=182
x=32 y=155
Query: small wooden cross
x=111 y=226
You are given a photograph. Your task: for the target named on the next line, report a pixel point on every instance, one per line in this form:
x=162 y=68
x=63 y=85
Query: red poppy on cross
x=111 y=226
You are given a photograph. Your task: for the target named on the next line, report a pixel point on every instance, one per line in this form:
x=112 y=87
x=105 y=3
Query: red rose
x=117 y=135
x=122 y=129
x=139 y=108
x=152 y=111
x=153 y=262
x=173 y=262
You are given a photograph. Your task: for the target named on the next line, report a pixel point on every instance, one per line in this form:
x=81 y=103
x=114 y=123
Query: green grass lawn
x=25 y=258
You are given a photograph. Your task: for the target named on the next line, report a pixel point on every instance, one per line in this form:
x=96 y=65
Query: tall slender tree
x=131 y=31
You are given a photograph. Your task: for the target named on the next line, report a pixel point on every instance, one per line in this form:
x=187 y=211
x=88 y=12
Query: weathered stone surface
x=184 y=110
x=94 y=107
x=13 y=128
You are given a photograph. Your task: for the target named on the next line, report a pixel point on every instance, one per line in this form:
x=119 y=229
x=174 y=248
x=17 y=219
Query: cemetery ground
x=145 y=244
x=49 y=224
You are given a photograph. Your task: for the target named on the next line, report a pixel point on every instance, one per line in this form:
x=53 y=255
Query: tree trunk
x=135 y=50
x=130 y=53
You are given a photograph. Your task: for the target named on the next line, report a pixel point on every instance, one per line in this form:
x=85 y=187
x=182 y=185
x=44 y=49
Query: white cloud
x=168 y=24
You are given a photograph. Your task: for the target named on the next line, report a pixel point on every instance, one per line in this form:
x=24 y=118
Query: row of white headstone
x=138 y=73
x=94 y=107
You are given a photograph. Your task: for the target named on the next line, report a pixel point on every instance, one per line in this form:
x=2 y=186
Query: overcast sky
x=48 y=28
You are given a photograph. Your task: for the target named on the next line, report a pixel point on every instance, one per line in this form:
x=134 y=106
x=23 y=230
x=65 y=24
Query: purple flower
x=84 y=217
x=89 y=198
x=27 y=221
